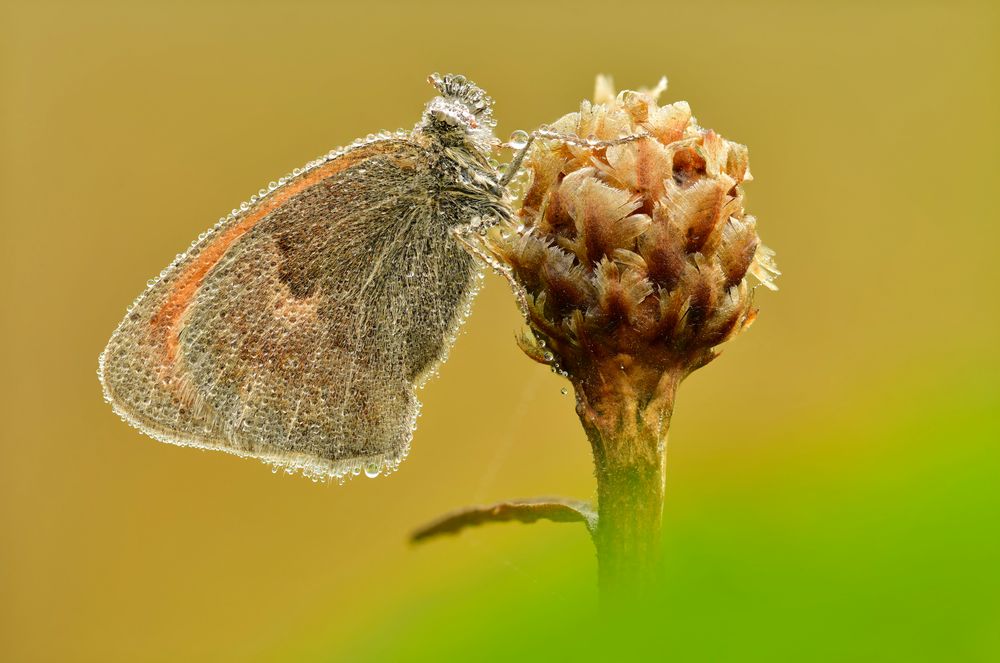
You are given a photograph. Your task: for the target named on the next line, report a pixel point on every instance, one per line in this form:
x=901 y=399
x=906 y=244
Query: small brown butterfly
x=297 y=329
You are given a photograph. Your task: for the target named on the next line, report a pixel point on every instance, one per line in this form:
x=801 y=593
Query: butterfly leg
x=515 y=165
x=572 y=139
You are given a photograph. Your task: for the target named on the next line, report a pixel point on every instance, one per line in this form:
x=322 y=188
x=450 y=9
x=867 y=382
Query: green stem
x=628 y=435
x=627 y=537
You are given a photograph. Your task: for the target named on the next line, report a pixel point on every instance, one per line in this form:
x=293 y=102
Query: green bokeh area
x=889 y=557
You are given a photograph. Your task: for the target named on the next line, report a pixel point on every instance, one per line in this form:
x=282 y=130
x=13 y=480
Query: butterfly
x=297 y=330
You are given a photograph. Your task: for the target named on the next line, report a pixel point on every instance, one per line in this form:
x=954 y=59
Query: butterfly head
x=462 y=114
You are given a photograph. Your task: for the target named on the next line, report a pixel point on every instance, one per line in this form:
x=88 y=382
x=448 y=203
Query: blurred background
x=841 y=504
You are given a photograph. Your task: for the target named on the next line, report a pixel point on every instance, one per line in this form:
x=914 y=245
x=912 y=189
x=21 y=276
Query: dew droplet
x=372 y=470
x=518 y=140
x=564 y=391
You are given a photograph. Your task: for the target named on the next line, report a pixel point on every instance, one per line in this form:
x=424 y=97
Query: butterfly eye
x=468 y=119
x=455 y=117
x=446 y=117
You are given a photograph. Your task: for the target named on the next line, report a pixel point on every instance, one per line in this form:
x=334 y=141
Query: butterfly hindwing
x=296 y=331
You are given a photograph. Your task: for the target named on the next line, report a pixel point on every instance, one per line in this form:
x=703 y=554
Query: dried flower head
x=633 y=257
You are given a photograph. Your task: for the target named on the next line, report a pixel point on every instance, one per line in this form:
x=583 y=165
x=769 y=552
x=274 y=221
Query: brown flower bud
x=630 y=255
x=633 y=257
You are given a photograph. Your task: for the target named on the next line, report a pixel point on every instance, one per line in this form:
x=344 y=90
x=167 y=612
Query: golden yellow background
x=833 y=481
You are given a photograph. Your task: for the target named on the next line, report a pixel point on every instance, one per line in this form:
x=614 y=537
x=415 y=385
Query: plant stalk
x=627 y=430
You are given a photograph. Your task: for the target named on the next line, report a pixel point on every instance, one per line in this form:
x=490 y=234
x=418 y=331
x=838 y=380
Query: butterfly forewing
x=296 y=331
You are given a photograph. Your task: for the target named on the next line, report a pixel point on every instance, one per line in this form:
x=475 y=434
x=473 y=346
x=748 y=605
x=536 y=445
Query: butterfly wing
x=296 y=330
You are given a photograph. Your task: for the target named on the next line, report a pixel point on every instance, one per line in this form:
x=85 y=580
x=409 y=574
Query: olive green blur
x=833 y=486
